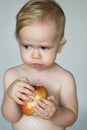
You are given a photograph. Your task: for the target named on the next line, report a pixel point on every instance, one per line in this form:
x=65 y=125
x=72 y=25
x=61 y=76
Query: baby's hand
x=46 y=108
x=19 y=90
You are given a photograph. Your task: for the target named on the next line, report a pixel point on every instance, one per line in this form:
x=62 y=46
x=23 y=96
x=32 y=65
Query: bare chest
x=51 y=81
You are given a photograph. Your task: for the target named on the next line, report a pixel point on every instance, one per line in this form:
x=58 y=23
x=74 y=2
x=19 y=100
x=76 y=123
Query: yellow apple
x=40 y=93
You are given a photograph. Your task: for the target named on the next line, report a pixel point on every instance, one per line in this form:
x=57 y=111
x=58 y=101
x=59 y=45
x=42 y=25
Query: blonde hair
x=43 y=11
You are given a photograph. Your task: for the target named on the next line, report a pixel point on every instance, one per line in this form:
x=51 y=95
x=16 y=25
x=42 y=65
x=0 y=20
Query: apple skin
x=40 y=93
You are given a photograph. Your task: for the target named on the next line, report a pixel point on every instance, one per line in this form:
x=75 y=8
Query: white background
x=73 y=56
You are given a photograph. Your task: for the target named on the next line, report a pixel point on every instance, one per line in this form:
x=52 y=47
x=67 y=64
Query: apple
x=40 y=93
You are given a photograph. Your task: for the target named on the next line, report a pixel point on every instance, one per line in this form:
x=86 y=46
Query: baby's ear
x=61 y=45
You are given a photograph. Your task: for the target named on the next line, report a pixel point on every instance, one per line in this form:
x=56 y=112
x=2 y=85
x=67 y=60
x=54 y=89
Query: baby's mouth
x=37 y=65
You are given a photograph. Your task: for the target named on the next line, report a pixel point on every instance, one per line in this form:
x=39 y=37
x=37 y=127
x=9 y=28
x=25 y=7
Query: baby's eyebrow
x=24 y=43
x=21 y=42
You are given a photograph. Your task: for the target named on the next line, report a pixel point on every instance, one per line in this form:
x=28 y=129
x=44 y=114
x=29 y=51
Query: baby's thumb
x=52 y=98
x=25 y=79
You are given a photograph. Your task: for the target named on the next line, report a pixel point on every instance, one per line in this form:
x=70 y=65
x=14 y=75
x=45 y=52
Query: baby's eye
x=44 y=48
x=27 y=46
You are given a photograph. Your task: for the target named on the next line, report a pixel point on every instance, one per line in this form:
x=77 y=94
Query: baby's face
x=38 y=45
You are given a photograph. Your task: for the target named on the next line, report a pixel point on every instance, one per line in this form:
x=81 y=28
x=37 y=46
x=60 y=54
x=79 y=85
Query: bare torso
x=52 y=81
x=35 y=123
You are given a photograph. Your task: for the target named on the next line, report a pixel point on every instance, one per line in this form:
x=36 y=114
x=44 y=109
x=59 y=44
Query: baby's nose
x=36 y=54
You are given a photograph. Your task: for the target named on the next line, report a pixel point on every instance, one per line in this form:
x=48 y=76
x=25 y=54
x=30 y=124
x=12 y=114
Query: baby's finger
x=44 y=113
x=26 y=91
x=48 y=102
x=25 y=85
x=52 y=98
x=40 y=111
x=50 y=105
x=21 y=96
x=25 y=79
x=19 y=101
x=41 y=104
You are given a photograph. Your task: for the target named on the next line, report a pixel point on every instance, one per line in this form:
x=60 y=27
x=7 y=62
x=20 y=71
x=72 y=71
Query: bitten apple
x=40 y=93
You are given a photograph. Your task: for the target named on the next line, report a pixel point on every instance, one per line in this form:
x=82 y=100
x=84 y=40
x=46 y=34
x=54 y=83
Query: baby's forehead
x=38 y=30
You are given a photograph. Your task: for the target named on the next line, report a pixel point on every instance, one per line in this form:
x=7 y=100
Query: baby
x=39 y=30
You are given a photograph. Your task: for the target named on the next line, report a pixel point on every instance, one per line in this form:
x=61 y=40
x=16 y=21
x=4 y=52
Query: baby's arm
x=67 y=113
x=14 y=94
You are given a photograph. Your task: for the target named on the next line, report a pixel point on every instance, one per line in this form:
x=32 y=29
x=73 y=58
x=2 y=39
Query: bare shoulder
x=65 y=75
x=67 y=79
x=68 y=76
x=68 y=83
x=10 y=75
